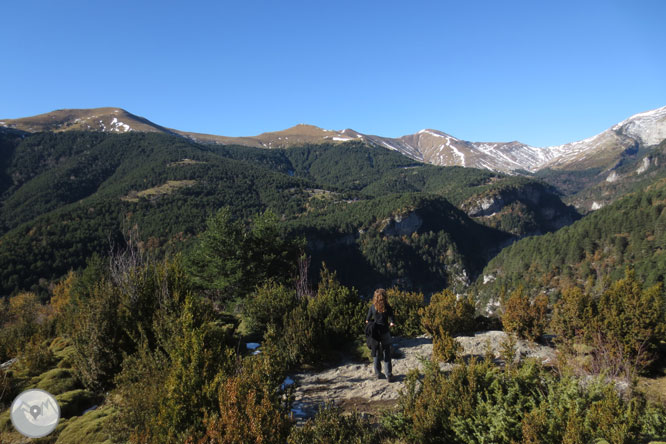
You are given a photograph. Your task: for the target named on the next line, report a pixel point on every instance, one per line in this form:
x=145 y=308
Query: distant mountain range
x=601 y=152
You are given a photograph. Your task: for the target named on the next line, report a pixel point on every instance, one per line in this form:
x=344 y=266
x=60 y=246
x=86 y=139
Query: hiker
x=381 y=313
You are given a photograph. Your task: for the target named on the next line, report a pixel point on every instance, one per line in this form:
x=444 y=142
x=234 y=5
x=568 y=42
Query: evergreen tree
x=231 y=259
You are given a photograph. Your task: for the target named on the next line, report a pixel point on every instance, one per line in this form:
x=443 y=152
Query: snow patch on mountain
x=458 y=154
x=389 y=146
x=120 y=126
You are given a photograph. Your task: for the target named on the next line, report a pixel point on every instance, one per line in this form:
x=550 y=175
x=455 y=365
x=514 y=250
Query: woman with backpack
x=381 y=313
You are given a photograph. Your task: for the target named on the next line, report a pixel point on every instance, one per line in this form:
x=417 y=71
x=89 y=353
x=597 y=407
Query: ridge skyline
x=312 y=125
x=427 y=145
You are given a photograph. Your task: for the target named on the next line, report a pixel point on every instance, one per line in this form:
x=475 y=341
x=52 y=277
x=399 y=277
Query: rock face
x=403 y=225
x=353 y=384
x=533 y=200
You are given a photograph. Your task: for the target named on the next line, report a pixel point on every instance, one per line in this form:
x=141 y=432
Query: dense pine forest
x=135 y=268
x=68 y=195
x=592 y=252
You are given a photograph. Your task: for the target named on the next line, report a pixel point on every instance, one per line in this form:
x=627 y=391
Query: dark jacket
x=383 y=320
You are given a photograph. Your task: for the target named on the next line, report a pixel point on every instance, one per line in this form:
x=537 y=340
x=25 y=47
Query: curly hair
x=379 y=300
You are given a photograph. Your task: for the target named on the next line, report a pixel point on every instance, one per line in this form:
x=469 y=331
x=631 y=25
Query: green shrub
x=479 y=402
x=444 y=347
x=162 y=393
x=36 y=358
x=446 y=311
x=620 y=331
x=133 y=304
x=8 y=389
x=268 y=305
x=328 y=321
x=300 y=340
x=633 y=318
x=444 y=317
x=406 y=306
x=572 y=314
x=199 y=359
x=21 y=317
x=99 y=340
x=332 y=426
x=139 y=393
x=523 y=317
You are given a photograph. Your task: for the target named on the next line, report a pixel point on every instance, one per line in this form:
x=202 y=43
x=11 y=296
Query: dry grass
x=185 y=162
x=158 y=191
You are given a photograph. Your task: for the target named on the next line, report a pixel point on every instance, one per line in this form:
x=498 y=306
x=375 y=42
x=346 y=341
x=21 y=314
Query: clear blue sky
x=542 y=72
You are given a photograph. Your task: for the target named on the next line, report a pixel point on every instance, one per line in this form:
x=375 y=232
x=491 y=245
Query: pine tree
x=231 y=259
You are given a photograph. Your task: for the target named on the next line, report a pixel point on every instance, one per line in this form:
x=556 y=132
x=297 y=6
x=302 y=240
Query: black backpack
x=372 y=336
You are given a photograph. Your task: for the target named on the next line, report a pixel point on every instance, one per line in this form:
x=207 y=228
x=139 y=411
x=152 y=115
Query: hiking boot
x=390 y=378
x=379 y=375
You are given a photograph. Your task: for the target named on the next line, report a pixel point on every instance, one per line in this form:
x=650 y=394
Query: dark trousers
x=384 y=351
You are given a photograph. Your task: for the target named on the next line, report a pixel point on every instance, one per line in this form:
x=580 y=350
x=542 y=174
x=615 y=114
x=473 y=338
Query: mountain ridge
x=427 y=145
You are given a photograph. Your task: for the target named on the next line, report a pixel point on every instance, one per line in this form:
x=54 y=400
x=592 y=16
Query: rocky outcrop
x=401 y=225
x=353 y=385
x=537 y=201
x=489 y=205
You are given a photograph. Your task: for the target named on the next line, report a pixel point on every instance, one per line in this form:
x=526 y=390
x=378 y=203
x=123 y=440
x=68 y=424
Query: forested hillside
x=412 y=240
x=87 y=189
x=66 y=196
x=590 y=253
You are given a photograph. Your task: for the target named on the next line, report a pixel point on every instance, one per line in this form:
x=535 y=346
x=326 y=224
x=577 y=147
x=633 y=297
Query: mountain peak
x=107 y=119
x=436 y=133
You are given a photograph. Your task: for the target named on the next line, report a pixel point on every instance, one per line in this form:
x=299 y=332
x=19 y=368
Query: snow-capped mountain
x=436 y=147
x=427 y=145
x=644 y=129
x=439 y=148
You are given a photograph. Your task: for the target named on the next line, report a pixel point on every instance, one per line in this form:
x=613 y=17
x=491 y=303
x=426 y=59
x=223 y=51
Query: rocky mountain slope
x=600 y=151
